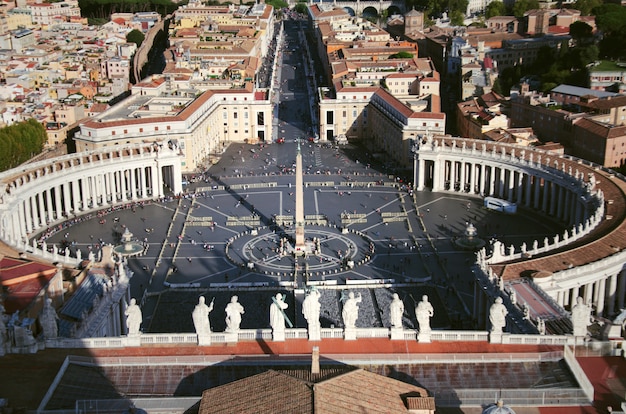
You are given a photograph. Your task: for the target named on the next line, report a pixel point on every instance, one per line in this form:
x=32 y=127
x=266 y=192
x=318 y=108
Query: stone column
x=546 y=195
x=588 y=288
x=621 y=287
x=133 y=186
x=481 y=180
x=501 y=182
x=611 y=294
x=559 y=298
x=511 y=190
x=49 y=208
x=601 y=297
x=123 y=185
x=553 y=198
x=462 y=178
x=32 y=210
x=75 y=196
x=537 y=184
x=24 y=226
x=85 y=198
x=41 y=215
x=57 y=202
x=142 y=178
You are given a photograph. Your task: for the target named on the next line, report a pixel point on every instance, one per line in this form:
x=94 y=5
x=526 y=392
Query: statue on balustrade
x=311 y=308
x=200 y=316
x=277 y=317
x=497 y=316
x=396 y=310
x=424 y=311
x=350 y=311
x=133 y=317
x=234 y=310
x=48 y=320
x=581 y=317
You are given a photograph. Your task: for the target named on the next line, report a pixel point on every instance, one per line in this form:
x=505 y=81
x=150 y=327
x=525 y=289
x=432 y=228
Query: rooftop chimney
x=315 y=360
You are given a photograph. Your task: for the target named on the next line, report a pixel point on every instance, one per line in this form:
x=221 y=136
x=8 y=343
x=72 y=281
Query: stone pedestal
x=315 y=333
x=133 y=340
x=349 y=334
x=204 y=340
x=495 y=337
x=397 y=334
x=423 y=337
x=231 y=337
x=278 y=336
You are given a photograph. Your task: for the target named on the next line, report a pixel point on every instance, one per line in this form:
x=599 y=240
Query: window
x=235 y=115
x=260 y=118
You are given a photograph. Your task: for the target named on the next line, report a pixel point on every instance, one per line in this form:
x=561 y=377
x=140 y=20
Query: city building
x=201 y=126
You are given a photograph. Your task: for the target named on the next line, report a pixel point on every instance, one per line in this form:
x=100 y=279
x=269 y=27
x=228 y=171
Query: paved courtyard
x=203 y=242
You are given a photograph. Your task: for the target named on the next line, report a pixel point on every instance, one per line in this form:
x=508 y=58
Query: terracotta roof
x=263 y=393
x=353 y=391
x=23 y=280
x=364 y=392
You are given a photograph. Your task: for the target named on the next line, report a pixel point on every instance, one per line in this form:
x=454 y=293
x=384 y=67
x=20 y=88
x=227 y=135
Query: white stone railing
x=578 y=372
x=501 y=253
x=301 y=333
x=34 y=250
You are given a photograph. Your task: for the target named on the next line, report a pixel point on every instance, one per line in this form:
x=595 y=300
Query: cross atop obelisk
x=300 y=246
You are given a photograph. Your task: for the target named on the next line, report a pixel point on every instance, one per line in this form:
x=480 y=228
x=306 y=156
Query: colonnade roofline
x=605 y=241
x=28 y=173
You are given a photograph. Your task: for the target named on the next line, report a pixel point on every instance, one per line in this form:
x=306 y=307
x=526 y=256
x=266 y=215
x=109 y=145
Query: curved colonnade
x=588 y=260
x=41 y=195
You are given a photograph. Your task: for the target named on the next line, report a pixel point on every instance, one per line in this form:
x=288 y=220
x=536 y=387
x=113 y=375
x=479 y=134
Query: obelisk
x=299 y=248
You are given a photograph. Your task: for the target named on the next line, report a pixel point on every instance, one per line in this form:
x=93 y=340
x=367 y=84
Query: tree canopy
x=495 y=8
x=586 y=6
x=611 y=20
x=135 y=36
x=20 y=142
x=522 y=6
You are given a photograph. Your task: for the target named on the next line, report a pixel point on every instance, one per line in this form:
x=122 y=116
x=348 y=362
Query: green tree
x=135 y=36
x=277 y=4
x=522 y=6
x=581 y=32
x=301 y=8
x=20 y=142
x=610 y=17
x=401 y=55
x=586 y=6
x=456 y=18
x=495 y=8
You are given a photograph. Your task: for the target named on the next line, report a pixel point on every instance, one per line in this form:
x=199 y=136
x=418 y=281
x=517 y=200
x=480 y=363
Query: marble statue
x=541 y=326
x=234 y=310
x=200 y=316
x=277 y=319
x=424 y=311
x=581 y=317
x=133 y=317
x=48 y=320
x=396 y=310
x=311 y=308
x=497 y=316
x=350 y=311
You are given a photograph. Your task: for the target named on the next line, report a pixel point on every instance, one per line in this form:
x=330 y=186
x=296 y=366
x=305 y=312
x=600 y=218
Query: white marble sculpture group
x=311 y=307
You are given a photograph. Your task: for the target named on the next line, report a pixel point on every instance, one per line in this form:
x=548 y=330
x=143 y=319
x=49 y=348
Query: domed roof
x=498 y=408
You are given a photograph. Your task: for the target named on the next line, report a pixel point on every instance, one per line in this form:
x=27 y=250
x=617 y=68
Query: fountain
x=469 y=240
x=128 y=247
